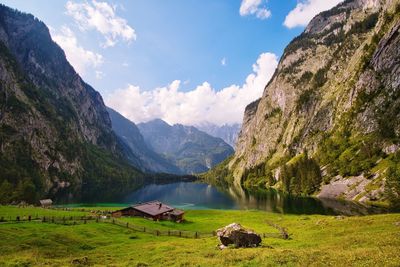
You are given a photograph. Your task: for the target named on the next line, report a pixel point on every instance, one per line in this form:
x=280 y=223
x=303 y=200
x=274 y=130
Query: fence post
x=195 y=235
x=157 y=233
x=144 y=229
x=180 y=233
x=84 y=221
x=44 y=219
x=169 y=233
x=127 y=225
x=29 y=218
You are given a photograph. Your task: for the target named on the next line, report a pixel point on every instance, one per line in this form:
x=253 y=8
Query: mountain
x=328 y=122
x=191 y=150
x=56 y=138
x=140 y=154
x=227 y=132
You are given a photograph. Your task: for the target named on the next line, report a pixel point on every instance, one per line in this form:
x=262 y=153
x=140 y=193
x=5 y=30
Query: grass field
x=315 y=241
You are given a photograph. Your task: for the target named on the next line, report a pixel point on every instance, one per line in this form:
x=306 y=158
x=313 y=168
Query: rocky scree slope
x=55 y=133
x=331 y=113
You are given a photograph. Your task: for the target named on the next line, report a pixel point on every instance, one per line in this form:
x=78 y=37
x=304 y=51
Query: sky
x=184 y=61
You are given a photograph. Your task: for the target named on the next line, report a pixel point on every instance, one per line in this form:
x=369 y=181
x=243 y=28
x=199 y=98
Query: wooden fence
x=157 y=232
x=75 y=220
x=50 y=219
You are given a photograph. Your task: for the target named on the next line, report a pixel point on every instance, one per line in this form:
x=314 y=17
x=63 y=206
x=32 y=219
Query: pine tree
x=6 y=189
x=393 y=185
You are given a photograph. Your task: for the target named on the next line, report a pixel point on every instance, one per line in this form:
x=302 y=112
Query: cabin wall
x=116 y=214
x=131 y=212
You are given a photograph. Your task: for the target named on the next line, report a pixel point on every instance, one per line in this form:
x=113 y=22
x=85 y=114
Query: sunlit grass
x=315 y=240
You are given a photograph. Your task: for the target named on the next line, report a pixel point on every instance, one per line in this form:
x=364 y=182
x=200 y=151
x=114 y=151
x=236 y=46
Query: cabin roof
x=176 y=212
x=153 y=208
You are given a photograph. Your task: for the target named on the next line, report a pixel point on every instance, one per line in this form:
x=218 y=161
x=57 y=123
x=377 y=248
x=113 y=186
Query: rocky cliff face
x=191 y=150
x=55 y=132
x=335 y=96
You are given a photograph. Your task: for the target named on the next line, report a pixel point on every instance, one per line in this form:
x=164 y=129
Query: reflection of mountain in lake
x=204 y=196
x=185 y=195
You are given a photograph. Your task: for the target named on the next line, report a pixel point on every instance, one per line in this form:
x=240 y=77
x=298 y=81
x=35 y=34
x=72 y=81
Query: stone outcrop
x=235 y=234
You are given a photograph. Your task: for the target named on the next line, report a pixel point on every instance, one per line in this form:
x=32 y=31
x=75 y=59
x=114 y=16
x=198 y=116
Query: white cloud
x=223 y=62
x=305 y=10
x=77 y=56
x=99 y=75
x=202 y=104
x=101 y=17
x=254 y=7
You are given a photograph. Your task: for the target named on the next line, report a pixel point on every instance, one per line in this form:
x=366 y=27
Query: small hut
x=46 y=203
x=154 y=210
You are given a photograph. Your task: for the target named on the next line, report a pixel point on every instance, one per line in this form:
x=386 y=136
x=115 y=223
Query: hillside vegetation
x=328 y=121
x=56 y=138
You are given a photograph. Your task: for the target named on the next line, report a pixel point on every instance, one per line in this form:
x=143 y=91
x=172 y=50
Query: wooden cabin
x=154 y=210
x=46 y=203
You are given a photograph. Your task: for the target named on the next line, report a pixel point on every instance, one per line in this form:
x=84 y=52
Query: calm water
x=203 y=196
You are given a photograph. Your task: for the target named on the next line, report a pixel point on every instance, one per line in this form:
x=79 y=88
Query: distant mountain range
x=227 y=132
x=156 y=146
x=190 y=149
x=142 y=156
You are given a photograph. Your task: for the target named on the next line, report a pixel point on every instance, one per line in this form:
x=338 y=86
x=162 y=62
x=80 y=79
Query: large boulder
x=238 y=235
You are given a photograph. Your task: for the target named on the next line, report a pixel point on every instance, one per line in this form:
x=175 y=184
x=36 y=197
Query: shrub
x=305 y=99
x=303 y=41
x=320 y=77
x=364 y=26
x=305 y=78
x=274 y=112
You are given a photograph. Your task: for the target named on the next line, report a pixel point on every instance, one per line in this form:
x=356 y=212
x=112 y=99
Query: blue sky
x=135 y=53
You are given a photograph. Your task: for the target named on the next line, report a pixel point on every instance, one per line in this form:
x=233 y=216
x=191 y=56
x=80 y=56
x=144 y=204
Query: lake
x=194 y=195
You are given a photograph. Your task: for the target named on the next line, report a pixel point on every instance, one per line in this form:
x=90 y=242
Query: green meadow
x=315 y=240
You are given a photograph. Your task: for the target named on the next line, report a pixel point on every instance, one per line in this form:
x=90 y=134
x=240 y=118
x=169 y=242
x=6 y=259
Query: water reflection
x=185 y=195
x=203 y=196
